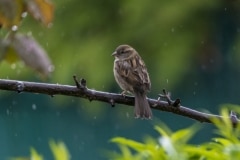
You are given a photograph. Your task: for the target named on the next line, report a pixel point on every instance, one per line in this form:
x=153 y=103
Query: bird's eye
x=122 y=51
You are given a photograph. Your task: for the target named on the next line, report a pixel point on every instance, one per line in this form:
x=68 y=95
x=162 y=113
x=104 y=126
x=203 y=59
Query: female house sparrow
x=131 y=75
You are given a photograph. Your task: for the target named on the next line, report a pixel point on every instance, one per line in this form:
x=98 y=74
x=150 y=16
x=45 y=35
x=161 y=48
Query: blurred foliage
x=59 y=151
x=169 y=145
x=190 y=47
x=171 y=37
x=15 y=45
x=180 y=43
x=12 y=12
x=175 y=145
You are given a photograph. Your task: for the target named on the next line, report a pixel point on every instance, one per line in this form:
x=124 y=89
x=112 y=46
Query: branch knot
x=82 y=84
x=167 y=96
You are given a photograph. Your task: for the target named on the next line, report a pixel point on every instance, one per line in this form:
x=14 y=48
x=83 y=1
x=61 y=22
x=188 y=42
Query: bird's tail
x=142 y=108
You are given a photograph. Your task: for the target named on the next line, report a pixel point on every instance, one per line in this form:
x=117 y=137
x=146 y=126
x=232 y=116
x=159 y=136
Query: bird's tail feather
x=142 y=108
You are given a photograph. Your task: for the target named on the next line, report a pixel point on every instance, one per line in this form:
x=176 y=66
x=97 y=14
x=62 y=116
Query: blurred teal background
x=190 y=48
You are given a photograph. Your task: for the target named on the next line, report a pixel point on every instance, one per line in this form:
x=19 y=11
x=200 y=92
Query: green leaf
x=163 y=130
x=223 y=141
x=35 y=155
x=130 y=143
x=183 y=135
x=59 y=150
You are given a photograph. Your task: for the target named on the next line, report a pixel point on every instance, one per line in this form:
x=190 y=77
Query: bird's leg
x=123 y=93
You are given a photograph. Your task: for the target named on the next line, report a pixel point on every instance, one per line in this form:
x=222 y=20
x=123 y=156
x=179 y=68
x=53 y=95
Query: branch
x=81 y=90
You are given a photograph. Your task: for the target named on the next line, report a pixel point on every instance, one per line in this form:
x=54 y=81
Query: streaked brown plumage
x=131 y=75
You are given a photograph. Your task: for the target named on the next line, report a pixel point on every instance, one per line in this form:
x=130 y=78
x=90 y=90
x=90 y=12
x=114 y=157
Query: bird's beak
x=114 y=53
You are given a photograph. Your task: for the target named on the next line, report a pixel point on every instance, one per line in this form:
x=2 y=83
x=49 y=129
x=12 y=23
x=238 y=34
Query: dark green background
x=190 y=48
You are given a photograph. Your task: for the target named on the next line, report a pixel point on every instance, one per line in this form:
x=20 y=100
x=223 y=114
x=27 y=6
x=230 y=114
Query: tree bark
x=80 y=90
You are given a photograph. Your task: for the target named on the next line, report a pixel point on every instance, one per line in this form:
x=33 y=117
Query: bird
x=131 y=74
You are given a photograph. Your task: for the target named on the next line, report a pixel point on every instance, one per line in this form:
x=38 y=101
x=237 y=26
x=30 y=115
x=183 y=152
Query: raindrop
x=14 y=103
x=34 y=106
x=51 y=68
x=127 y=115
x=29 y=33
x=40 y=34
x=21 y=64
x=167 y=81
x=14 y=28
x=39 y=139
x=19 y=71
x=116 y=127
x=24 y=14
x=173 y=30
x=211 y=61
x=50 y=25
x=13 y=66
x=203 y=67
x=62 y=34
x=95 y=117
x=165 y=44
x=20 y=86
x=58 y=113
x=8 y=112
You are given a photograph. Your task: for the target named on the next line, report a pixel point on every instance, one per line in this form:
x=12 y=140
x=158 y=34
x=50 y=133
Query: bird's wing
x=135 y=73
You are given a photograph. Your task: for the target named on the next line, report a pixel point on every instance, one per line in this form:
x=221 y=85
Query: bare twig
x=167 y=96
x=81 y=90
